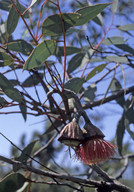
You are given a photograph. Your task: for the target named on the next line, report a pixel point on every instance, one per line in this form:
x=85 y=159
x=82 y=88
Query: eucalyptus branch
x=92 y=183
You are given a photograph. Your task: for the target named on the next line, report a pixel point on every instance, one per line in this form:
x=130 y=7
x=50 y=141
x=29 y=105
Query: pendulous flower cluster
x=89 y=144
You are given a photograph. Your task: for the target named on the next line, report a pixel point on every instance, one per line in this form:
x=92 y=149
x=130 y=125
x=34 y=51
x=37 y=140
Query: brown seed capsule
x=91 y=130
x=71 y=134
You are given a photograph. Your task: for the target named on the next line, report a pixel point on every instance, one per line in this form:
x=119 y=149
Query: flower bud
x=71 y=134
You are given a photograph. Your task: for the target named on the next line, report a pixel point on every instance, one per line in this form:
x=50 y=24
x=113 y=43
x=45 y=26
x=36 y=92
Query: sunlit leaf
x=20 y=46
x=12 y=182
x=117 y=59
x=128 y=27
x=40 y=54
x=95 y=71
x=53 y=26
x=9 y=90
x=5 y=59
x=90 y=12
x=114 y=6
x=74 y=84
x=75 y=62
x=115 y=40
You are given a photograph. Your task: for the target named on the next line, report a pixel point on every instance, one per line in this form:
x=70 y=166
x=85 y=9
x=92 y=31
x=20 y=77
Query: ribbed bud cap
x=71 y=134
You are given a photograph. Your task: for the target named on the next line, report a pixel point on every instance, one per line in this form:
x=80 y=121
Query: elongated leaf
x=115 y=40
x=89 y=94
x=12 y=20
x=75 y=62
x=69 y=51
x=2 y=102
x=115 y=6
x=32 y=80
x=5 y=59
x=9 y=90
x=40 y=54
x=23 y=109
x=26 y=152
x=128 y=27
x=126 y=48
x=90 y=12
x=12 y=182
x=120 y=134
x=115 y=87
x=20 y=46
x=75 y=84
x=116 y=59
x=5 y=5
x=95 y=71
x=52 y=25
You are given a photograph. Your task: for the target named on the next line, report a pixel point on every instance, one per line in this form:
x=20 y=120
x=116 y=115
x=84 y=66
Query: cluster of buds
x=90 y=146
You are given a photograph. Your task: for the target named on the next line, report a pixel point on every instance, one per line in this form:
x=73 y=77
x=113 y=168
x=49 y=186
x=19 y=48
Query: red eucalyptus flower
x=94 y=149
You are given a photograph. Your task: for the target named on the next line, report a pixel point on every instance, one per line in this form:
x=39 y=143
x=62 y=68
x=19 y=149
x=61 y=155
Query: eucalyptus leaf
x=20 y=46
x=12 y=20
x=120 y=134
x=75 y=62
x=40 y=54
x=53 y=25
x=95 y=71
x=74 y=84
x=5 y=59
x=89 y=12
x=114 y=40
x=12 y=182
x=9 y=90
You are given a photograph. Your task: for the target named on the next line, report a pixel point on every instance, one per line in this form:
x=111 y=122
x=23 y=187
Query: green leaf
x=40 y=54
x=126 y=48
x=5 y=5
x=115 y=87
x=32 y=3
x=32 y=80
x=52 y=25
x=69 y=51
x=128 y=27
x=75 y=62
x=116 y=59
x=23 y=109
x=115 y=6
x=90 y=12
x=95 y=71
x=89 y=94
x=12 y=182
x=120 y=134
x=26 y=152
x=115 y=40
x=20 y=46
x=9 y=90
x=2 y=102
x=74 y=84
x=5 y=59
x=12 y=20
